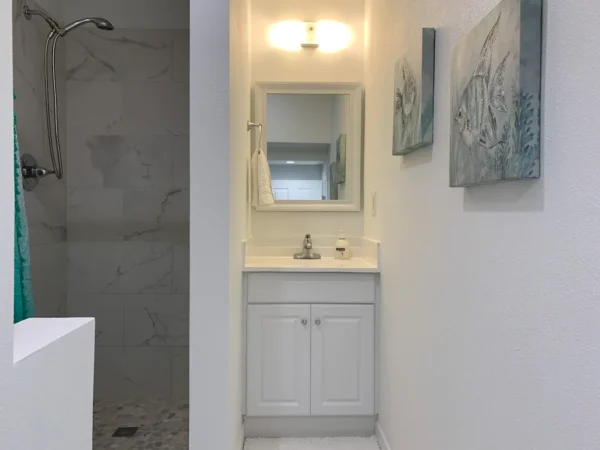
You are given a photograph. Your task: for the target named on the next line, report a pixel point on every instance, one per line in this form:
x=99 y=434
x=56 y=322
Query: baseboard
x=302 y=427
x=383 y=442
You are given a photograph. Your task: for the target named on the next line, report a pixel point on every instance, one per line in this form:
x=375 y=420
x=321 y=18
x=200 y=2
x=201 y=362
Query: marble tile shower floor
x=163 y=425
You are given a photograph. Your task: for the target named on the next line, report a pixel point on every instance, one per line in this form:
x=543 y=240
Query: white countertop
x=288 y=264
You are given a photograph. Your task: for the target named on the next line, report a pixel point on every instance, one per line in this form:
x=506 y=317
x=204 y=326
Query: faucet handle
x=307 y=242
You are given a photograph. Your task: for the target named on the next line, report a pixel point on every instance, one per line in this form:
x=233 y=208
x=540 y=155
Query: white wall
x=239 y=142
x=220 y=106
x=272 y=64
x=489 y=318
x=8 y=418
x=209 y=280
x=295 y=118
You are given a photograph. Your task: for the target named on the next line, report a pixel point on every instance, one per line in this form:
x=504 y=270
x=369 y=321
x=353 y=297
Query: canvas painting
x=341 y=158
x=333 y=181
x=413 y=96
x=496 y=97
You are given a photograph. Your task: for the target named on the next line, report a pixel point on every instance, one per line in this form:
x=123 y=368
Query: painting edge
x=428 y=43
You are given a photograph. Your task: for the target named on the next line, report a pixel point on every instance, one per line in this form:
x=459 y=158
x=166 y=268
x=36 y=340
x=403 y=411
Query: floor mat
x=313 y=444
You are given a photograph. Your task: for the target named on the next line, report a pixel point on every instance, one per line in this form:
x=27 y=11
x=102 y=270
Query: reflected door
x=298 y=189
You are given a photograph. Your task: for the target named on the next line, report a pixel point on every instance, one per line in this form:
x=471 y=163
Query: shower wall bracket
x=31 y=172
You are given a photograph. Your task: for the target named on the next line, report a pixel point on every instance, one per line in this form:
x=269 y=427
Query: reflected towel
x=262 y=191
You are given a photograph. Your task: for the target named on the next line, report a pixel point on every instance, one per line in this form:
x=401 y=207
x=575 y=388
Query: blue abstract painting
x=413 y=96
x=496 y=97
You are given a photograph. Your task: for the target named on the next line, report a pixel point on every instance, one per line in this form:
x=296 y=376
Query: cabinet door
x=343 y=360
x=278 y=360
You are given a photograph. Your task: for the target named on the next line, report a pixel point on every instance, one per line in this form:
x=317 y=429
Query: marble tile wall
x=46 y=205
x=127 y=205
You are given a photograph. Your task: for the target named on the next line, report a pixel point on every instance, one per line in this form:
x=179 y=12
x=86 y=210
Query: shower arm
x=29 y=13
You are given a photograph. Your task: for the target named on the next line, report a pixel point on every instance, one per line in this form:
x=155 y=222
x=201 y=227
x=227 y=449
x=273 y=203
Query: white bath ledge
x=32 y=335
x=288 y=264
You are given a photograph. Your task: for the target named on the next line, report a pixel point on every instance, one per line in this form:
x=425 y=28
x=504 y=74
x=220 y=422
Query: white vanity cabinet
x=278 y=368
x=342 y=360
x=310 y=344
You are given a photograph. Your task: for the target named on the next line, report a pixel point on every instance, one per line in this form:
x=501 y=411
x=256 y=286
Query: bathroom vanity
x=310 y=320
x=310 y=345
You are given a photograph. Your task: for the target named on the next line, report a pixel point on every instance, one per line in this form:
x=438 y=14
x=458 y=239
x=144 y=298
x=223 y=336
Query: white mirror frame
x=354 y=144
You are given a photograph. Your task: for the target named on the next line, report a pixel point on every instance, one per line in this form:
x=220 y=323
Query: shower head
x=103 y=24
x=100 y=23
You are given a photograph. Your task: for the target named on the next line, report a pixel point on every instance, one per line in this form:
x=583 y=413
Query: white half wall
x=489 y=295
x=54 y=382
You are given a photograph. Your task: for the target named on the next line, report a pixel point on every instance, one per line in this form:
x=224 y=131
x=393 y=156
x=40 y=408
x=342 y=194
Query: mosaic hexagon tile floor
x=157 y=424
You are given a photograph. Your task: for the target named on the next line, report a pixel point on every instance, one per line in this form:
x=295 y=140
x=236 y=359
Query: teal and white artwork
x=496 y=97
x=413 y=96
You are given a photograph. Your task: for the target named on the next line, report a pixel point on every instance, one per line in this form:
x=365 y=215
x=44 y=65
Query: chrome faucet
x=307 y=250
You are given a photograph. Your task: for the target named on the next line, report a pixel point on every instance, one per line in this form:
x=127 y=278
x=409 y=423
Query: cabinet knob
x=317 y=322
x=304 y=322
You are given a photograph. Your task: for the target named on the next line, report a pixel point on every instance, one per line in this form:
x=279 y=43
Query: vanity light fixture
x=310 y=36
x=325 y=36
x=290 y=162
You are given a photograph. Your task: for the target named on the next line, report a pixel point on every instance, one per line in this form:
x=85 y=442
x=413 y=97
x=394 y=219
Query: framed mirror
x=312 y=136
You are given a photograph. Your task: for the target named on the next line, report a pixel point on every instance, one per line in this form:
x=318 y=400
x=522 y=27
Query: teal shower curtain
x=23 y=292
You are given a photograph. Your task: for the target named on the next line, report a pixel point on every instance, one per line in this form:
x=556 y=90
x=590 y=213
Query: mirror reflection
x=306 y=145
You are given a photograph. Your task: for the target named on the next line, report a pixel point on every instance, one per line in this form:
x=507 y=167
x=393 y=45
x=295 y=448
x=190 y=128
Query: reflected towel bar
x=252 y=125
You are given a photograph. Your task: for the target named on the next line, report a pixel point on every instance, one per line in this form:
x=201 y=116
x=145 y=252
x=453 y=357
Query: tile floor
x=163 y=425
x=313 y=444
